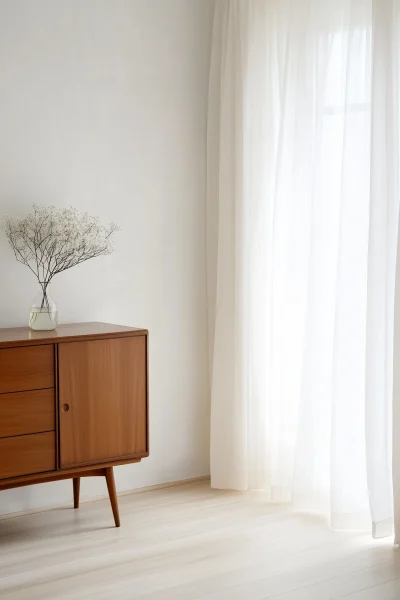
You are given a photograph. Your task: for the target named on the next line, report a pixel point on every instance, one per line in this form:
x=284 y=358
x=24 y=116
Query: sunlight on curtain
x=292 y=99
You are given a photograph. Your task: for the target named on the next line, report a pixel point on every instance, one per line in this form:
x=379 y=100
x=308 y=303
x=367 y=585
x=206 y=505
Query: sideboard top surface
x=24 y=336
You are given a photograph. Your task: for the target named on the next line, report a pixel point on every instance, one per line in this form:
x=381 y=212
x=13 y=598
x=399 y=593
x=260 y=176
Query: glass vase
x=43 y=315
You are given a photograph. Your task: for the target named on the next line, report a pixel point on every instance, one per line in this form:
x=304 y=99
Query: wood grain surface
x=45 y=477
x=27 y=412
x=102 y=400
x=27 y=454
x=112 y=492
x=24 y=336
x=26 y=368
x=192 y=542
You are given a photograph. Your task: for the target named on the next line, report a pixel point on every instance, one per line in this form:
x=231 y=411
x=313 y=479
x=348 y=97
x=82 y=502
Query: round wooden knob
x=65 y=407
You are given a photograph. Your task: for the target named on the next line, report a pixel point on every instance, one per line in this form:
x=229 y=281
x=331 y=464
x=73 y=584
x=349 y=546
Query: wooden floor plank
x=190 y=543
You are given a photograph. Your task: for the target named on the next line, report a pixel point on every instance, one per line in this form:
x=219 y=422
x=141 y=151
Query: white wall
x=103 y=106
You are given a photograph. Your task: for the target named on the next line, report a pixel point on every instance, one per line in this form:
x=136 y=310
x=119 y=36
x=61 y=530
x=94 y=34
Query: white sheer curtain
x=302 y=226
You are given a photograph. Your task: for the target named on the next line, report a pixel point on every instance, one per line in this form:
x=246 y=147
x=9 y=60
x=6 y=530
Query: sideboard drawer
x=26 y=368
x=27 y=412
x=27 y=454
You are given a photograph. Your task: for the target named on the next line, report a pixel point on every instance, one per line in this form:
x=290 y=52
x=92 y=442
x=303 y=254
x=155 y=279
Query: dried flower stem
x=51 y=240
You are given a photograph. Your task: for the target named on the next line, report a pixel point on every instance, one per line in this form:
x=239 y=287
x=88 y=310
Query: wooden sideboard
x=73 y=403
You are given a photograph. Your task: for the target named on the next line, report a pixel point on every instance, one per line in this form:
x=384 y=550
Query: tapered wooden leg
x=113 y=494
x=77 y=484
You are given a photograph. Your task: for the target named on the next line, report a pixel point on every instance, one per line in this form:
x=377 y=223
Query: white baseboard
x=150 y=488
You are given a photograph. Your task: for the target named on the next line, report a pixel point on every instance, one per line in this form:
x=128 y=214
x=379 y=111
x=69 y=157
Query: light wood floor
x=191 y=542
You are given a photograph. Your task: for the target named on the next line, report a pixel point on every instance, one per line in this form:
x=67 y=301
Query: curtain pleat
x=302 y=214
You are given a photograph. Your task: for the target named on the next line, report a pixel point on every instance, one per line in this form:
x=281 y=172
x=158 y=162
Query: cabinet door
x=102 y=400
